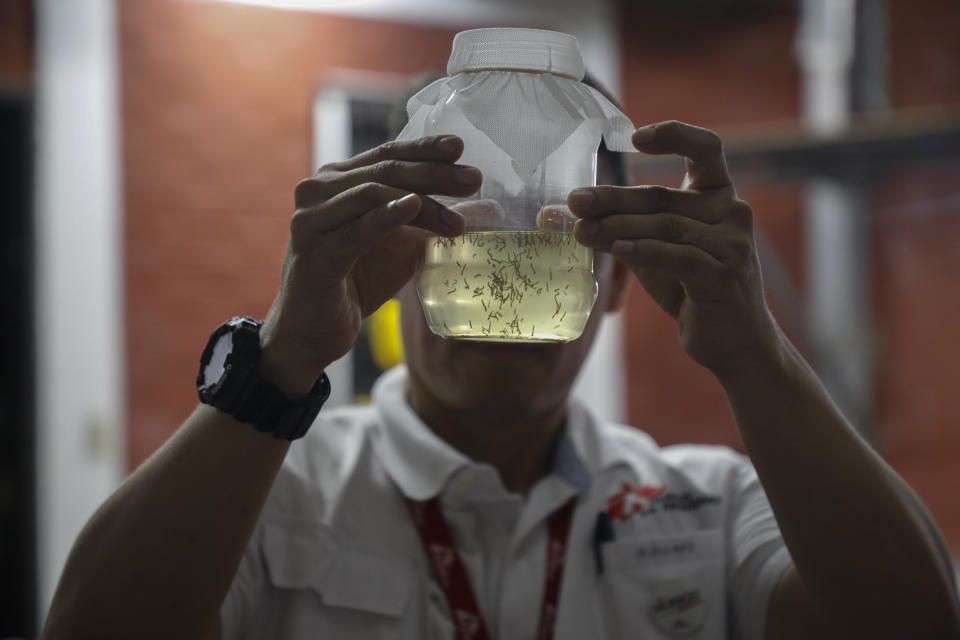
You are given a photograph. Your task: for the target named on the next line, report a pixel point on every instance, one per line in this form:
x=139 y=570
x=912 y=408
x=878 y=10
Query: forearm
x=157 y=558
x=862 y=543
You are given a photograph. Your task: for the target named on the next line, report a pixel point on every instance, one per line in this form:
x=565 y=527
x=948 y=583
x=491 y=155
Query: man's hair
x=397 y=119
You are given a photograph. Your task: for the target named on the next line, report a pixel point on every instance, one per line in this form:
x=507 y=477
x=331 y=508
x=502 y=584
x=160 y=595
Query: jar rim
x=517 y=49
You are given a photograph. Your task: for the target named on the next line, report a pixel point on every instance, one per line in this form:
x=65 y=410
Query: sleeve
x=757 y=555
x=238 y=610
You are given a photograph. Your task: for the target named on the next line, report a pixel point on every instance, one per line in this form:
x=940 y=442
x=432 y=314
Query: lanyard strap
x=452 y=575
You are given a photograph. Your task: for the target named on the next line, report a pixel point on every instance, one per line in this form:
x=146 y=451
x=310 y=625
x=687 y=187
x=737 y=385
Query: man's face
x=497 y=376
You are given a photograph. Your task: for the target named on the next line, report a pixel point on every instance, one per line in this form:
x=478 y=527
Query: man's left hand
x=693 y=248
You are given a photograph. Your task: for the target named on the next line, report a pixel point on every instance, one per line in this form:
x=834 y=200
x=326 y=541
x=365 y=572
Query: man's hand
x=353 y=243
x=691 y=248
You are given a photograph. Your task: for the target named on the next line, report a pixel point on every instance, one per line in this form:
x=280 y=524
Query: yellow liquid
x=512 y=286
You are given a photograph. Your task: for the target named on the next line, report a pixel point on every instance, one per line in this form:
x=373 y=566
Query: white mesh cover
x=526 y=120
x=520 y=49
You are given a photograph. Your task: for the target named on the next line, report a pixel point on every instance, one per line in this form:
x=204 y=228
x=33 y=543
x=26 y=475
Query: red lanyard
x=452 y=575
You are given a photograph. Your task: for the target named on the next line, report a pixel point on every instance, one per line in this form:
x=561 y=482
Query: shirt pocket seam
x=341 y=577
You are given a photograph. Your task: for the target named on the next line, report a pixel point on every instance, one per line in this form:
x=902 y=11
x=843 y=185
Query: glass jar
x=532 y=127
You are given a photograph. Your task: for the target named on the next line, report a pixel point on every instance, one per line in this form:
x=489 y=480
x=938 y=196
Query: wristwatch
x=229 y=379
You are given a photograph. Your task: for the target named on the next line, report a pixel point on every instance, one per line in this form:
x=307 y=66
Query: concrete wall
x=80 y=393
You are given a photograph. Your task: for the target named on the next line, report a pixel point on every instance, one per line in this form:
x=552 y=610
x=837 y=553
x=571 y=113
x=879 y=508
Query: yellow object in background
x=383 y=334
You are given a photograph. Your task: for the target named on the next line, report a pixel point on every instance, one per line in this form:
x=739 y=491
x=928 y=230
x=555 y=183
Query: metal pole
x=837 y=221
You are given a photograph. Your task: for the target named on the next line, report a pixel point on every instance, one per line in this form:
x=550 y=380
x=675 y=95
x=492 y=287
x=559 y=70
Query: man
x=472 y=499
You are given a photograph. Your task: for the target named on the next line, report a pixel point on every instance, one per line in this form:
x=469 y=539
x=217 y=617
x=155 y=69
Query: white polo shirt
x=695 y=550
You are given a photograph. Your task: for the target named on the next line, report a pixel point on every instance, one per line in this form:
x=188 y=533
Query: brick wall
x=216 y=107
x=724 y=73
x=16 y=43
x=917 y=274
x=730 y=73
x=216 y=132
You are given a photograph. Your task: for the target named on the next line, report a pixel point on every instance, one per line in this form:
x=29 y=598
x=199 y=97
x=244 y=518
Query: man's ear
x=621 y=279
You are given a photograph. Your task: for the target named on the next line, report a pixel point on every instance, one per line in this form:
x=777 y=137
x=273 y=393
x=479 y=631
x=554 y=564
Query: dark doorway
x=18 y=587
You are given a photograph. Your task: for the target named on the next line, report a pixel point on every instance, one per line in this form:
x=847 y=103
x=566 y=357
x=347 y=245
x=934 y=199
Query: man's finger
x=597 y=202
x=344 y=207
x=440 y=220
x=556 y=217
x=689 y=264
x=440 y=148
x=360 y=234
x=703 y=149
x=665 y=227
x=357 y=201
x=424 y=177
x=439 y=178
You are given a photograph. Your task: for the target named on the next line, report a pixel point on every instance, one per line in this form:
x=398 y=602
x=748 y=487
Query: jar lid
x=520 y=49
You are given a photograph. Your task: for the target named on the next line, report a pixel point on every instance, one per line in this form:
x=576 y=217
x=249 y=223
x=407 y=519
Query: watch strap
x=267 y=409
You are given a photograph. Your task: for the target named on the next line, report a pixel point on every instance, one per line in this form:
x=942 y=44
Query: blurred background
x=149 y=150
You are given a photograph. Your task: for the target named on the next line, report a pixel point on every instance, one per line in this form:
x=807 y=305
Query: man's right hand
x=356 y=237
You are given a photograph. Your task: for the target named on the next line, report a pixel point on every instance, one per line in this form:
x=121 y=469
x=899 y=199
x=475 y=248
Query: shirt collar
x=595 y=443
x=422 y=464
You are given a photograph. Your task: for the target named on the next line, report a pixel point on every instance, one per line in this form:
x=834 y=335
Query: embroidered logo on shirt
x=648 y=499
x=632 y=499
x=678 y=608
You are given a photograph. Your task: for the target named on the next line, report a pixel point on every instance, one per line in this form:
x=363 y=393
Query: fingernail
x=402 y=202
x=448 y=144
x=581 y=199
x=643 y=135
x=556 y=218
x=467 y=175
x=622 y=247
x=590 y=227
